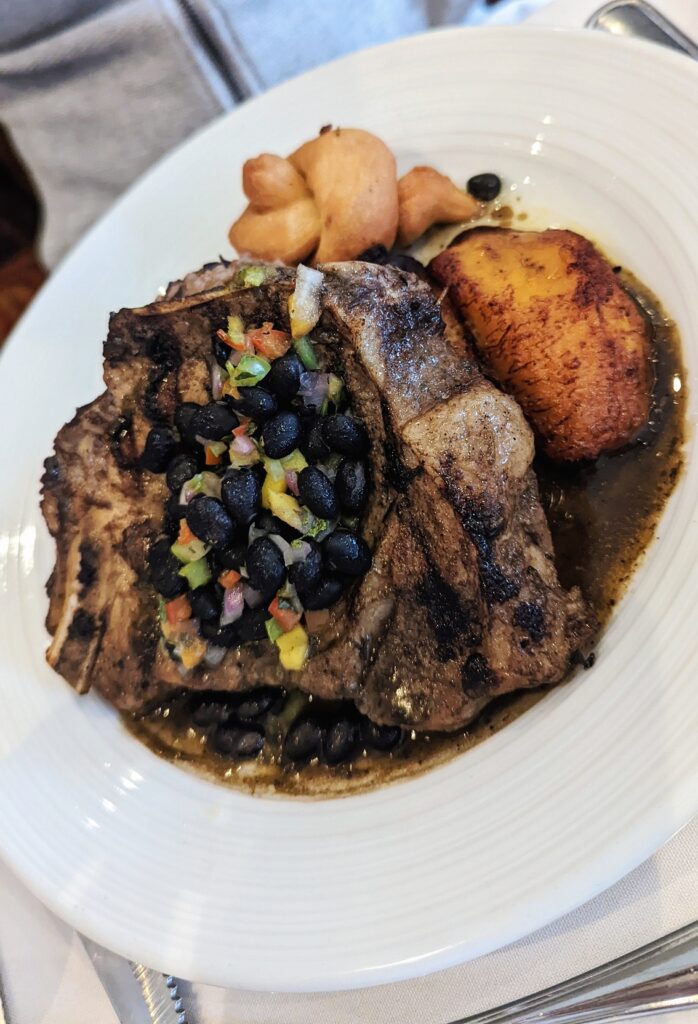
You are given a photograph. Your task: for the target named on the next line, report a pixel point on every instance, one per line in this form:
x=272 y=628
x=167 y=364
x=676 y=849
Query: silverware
x=138 y=994
x=638 y=18
x=634 y=985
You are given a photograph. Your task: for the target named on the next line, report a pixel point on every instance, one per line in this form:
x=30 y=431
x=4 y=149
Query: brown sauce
x=602 y=517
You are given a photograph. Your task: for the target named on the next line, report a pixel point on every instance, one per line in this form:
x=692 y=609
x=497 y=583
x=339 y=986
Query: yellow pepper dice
x=286 y=508
x=271 y=487
x=192 y=651
x=293 y=649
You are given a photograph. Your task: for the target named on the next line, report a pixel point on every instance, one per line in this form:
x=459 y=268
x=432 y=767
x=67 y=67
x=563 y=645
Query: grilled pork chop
x=462 y=602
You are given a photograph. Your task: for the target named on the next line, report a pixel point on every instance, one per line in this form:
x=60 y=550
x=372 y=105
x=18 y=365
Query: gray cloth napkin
x=94 y=91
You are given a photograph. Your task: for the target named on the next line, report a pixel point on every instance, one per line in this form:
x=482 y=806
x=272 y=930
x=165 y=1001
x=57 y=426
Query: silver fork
x=634 y=985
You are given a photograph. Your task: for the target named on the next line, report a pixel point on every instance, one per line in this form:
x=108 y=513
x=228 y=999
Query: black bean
x=181 y=468
x=251 y=625
x=342 y=739
x=237 y=741
x=317 y=492
x=281 y=434
x=346 y=552
x=257 y=703
x=210 y=711
x=221 y=351
x=382 y=737
x=345 y=435
x=210 y=521
x=305 y=575
x=213 y=421
x=233 y=556
x=484 y=187
x=164 y=570
x=351 y=486
x=284 y=378
x=304 y=739
x=159 y=555
x=205 y=603
x=272 y=524
x=174 y=512
x=327 y=592
x=184 y=414
x=242 y=494
x=312 y=443
x=161 y=445
x=256 y=402
x=220 y=636
x=265 y=567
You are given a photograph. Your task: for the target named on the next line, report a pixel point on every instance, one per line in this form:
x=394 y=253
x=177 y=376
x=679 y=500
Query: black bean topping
x=257 y=703
x=305 y=575
x=213 y=421
x=174 y=512
x=220 y=636
x=484 y=187
x=233 y=556
x=242 y=494
x=210 y=521
x=341 y=740
x=221 y=351
x=281 y=434
x=327 y=592
x=251 y=625
x=272 y=524
x=181 y=468
x=284 y=378
x=206 y=711
x=265 y=567
x=238 y=741
x=351 y=486
x=184 y=414
x=382 y=737
x=317 y=492
x=256 y=402
x=346 y=552
x=160 y=446
x=313 y=444
x=205 y=603
x=304 y=739
x=164 y=570
x=345 y=435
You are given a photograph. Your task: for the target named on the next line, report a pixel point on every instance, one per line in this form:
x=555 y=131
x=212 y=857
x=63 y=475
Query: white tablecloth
x=47 y=978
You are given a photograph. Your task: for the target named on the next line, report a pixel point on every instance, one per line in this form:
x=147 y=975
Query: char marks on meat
x=462 y=602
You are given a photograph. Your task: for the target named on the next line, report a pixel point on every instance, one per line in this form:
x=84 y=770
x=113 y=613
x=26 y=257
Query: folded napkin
x=46 y=975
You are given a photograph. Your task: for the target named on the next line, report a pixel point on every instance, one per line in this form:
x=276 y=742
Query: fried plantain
x=555 y=328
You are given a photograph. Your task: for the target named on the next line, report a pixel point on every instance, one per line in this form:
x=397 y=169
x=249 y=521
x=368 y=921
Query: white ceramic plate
x=215 y=885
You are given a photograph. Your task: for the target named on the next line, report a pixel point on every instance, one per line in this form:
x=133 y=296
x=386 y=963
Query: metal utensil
x=656 y=978
x=638 y=18
x=138 y=994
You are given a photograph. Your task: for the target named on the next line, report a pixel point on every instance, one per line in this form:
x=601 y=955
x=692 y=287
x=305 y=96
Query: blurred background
x=93 y=92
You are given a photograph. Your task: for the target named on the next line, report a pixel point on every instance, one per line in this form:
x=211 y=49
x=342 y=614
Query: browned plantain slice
x=556 y=329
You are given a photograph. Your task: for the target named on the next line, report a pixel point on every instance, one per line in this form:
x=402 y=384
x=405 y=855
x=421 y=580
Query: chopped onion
x=243 y=445
x=292 y=481
x=255 y=532
x=203 y=483
x=331 y=526
x=235 y=357
x=314 y=388
x=301 y=550
x=233 y=604
x=304 y=304
x=214 y=655
x=217 y=378
x=284 y=547
x=253 y=598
